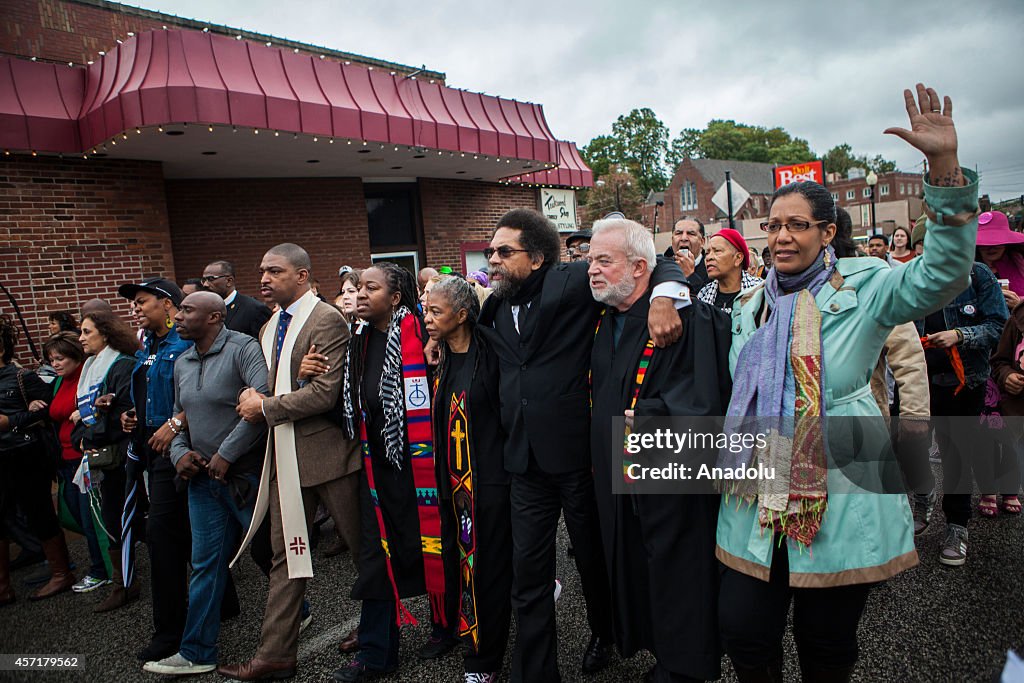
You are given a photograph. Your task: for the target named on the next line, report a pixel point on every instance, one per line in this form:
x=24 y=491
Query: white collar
x=230 y=297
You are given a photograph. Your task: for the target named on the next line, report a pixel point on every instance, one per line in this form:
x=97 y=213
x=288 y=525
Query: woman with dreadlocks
x=472 y=481
x=386 y=397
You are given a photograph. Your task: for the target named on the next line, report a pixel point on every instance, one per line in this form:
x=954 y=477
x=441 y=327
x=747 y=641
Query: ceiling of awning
x=174 y=86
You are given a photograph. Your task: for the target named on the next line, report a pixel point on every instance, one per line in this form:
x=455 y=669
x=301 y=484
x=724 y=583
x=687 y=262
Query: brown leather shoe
x=350 y=643
x=258 y=670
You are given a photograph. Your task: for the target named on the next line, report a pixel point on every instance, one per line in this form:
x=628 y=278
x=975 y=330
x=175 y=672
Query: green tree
x=642 y=139
x=601 y=153
x=685 y=145
x=840 y=159
x=617 y=190
x=726 y=139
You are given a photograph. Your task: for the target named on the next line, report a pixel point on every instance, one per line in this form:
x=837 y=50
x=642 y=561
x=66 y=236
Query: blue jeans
x=217 y=523
x=78 y=504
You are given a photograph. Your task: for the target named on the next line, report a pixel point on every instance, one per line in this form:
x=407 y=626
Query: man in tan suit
x=308 y=456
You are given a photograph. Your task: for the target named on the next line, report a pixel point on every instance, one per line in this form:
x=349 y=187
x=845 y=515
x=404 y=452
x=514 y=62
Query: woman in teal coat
x=804 y=346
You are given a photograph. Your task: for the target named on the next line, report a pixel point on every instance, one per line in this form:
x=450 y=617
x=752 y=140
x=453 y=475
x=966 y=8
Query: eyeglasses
x=792 y=226
x=503 y=252
x=578 y=249
x=211 y=278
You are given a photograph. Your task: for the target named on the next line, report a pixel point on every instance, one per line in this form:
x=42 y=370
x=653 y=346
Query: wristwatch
x=175 y=424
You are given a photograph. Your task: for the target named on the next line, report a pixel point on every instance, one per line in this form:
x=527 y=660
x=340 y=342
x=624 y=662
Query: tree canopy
x=638 y=143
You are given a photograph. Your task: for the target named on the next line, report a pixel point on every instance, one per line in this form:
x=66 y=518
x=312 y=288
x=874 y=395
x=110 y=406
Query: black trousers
x=752 y=619
x=26 y=475
x=537 y=500
x=169 y=539
x=957 y=467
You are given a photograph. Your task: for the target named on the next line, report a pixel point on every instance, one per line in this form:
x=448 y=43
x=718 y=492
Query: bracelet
x=959 y=336
x=173 y=429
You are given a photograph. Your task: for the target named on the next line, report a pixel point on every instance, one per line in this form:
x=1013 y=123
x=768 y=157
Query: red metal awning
x=571 y=171
x=160 y=78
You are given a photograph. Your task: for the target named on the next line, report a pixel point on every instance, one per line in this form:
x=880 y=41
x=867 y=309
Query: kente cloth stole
x=638 y=383
x=460 y=471
x=421 y=459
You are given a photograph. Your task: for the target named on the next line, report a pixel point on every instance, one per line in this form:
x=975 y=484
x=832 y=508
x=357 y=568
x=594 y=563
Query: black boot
x=766 y=673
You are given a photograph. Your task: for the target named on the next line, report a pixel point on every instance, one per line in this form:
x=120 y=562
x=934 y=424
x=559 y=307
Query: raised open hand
x=931 y=123
x=932 y=131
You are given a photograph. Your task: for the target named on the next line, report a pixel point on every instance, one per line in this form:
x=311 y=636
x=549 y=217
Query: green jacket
x=864 y=537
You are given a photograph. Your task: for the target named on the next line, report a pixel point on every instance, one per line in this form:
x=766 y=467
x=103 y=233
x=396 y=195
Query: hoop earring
x=168 y=322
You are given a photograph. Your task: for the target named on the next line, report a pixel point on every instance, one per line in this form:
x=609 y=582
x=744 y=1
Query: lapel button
x=834 y=307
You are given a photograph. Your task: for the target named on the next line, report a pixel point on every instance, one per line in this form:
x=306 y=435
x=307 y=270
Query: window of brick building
x=393 y=218
x=903 y=188
x=851 y=194
x=688 y=196
x=884 y=190
x=835 y=196
x=866 y=192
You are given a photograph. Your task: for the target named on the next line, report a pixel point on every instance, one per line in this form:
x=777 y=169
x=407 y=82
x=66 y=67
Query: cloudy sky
x=829 y=74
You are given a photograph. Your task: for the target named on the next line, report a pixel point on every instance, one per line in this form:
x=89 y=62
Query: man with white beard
x=659 y=549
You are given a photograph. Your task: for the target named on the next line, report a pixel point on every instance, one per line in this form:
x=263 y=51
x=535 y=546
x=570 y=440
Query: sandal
x=1011 y=505
x=987 y=506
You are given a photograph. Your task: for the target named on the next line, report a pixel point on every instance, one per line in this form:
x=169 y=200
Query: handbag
x=104 y=458
x=28 y=434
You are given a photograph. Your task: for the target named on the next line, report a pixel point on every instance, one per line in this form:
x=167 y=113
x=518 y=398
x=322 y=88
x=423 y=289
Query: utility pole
x=728 y=193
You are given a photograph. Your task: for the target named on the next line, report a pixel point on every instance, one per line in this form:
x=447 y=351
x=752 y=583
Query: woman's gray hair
x=459 y=294
x=639 y=244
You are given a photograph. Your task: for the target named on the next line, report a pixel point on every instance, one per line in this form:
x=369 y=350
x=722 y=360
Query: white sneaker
x=482 y=678
x=558 y=589
x=89 y=583
x=305 y=622
x=176 y=665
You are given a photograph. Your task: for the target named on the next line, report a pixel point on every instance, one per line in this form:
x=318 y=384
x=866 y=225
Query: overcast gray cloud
x=829 y=74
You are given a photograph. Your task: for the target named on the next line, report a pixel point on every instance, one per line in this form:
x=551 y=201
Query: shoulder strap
x=21 y=386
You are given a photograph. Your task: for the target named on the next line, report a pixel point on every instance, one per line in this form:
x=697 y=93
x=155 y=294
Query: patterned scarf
x=461 y=477
x=709 y=292
x=405 y=395
x=778 y=389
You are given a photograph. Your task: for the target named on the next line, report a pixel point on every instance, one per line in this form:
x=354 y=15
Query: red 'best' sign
x=812 y=170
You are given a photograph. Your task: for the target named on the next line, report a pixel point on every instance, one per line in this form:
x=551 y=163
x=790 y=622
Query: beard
x=614 y=294
x=506 y=287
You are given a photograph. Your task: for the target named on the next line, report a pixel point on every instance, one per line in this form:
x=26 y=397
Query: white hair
x=639 y=244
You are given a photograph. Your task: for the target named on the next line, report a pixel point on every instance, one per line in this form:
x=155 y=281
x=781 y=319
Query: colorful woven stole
x=421 y=459
x=641 y=374
x=460 y=470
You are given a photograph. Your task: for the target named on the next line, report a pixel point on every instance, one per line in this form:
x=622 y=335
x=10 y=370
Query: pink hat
x=994 y=230
x=736 y=239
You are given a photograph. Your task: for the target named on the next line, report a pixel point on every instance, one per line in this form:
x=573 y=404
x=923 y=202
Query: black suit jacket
x=247 y=315
x=544 y=384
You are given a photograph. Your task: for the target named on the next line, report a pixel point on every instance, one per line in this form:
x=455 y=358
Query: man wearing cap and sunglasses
x=244 y=313
x=577 y=245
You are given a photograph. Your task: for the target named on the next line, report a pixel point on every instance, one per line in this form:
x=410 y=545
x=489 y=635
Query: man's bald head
x=425 y=275
x=200 y=318
x=207 y=302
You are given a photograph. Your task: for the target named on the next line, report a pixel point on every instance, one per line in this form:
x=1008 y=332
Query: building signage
x=559 y=206
x=813 y=171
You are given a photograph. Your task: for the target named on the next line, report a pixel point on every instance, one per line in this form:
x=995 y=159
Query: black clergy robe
x=660 y=549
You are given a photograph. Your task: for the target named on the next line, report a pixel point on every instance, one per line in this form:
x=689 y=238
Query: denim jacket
x=980 y=313
x=160 y=393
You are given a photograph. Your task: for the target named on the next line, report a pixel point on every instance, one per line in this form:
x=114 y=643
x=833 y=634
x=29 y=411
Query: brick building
x=137 y=143
x=689 y=192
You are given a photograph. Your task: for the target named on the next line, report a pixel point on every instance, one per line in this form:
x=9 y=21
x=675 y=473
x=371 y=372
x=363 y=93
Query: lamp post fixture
x=872 y=180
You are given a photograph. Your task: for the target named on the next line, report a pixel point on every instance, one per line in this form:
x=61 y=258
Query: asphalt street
x=932 y=623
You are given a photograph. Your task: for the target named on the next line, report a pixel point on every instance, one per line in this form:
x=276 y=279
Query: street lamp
x=872 y=180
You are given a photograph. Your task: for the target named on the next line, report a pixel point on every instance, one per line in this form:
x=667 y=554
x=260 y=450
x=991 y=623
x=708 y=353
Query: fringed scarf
x=778 y=389
x=405 y=395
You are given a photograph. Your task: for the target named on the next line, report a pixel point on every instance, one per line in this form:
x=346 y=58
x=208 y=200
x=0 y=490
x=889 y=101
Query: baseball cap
x=578 y=236
x=159 y=286
x=345 y=270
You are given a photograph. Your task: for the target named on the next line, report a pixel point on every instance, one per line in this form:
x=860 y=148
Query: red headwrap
x=736 y=240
